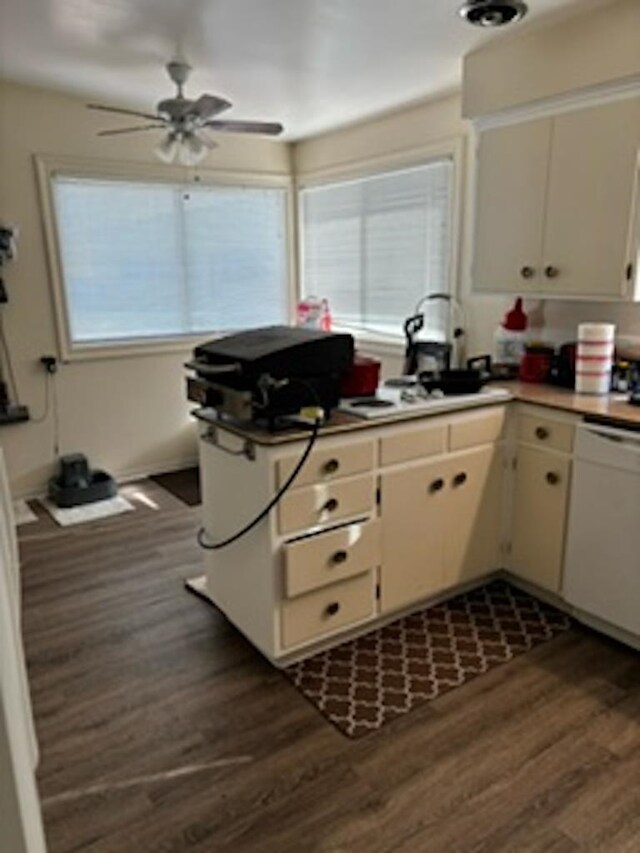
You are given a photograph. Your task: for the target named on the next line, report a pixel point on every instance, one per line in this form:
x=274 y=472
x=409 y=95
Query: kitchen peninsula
x=388 y=514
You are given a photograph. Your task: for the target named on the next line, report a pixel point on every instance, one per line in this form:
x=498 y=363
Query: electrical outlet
x=49 y=362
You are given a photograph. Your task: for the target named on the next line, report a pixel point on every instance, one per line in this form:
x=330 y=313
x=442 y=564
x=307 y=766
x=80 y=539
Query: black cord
x=7 y=355
x=48 y=378
x=214 y=546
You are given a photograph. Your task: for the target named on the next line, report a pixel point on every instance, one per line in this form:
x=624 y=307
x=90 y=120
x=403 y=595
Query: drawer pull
x=332 y=609
x=527 y=272
x=436 y=485
x=551 y=272
x=552 y=478
x=542 y=433
x=460 y=479
x=339 y=557
x=331 y=466
x=330 y=505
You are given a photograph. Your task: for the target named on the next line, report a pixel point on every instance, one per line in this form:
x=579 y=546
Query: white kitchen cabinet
x=556 y=204
x=473 y=524
x=415 y=504
x=441 y=519
x=380 y=519
x=541 y=496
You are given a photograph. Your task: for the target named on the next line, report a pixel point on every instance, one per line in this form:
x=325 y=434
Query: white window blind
x=375 y=246
x=153 y=260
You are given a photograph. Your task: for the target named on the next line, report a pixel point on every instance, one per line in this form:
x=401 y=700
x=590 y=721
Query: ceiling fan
x=187 y=121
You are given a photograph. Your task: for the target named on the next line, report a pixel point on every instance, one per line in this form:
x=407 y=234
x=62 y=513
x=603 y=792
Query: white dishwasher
x=602 y=564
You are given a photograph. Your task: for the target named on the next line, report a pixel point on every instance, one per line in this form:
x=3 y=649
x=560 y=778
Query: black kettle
x=423 y=356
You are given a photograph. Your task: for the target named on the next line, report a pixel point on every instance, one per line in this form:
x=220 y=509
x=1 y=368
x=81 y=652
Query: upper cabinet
x=556 y=201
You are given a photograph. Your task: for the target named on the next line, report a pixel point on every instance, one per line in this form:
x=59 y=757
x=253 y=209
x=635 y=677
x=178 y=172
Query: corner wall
x=128 y=414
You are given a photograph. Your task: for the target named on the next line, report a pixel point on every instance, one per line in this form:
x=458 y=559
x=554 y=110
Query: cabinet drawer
x=327 y=610
x=326 y=502
x=329 y=557
x=477 y=428
x=328 y=463
x=545 y=432
x=413 y=442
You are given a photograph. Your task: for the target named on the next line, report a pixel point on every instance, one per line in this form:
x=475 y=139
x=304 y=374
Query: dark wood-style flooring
x=162 y=729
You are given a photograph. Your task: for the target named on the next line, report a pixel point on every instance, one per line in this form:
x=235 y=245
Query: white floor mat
x=23 y=513
x=88 y=512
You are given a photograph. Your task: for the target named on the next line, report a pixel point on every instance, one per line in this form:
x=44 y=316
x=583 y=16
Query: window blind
x=143 y=260
x=375 y=246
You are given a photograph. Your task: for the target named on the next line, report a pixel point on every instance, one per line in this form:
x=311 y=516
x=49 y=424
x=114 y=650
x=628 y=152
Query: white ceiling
x=311 y=64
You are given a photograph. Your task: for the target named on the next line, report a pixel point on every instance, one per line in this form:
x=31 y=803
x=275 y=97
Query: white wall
x=580 y=50
x=128 y=415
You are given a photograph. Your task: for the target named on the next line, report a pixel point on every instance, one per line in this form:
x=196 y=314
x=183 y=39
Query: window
x=376 y=245
x=147 y=261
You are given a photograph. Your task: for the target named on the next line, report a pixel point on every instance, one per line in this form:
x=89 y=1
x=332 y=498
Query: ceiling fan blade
x=206 y=140
x=124 y=112
x=208 y=106
x=117 y=130
x=269 y=128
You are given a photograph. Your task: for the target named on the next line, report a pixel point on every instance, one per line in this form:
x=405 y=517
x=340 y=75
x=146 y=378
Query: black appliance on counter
x=270 y=373
x=563 y=366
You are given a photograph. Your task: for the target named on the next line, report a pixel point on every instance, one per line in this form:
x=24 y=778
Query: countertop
x=612 y=406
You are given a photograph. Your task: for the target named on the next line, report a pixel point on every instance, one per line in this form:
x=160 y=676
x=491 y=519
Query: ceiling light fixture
x=187 y=148
x=492 y=13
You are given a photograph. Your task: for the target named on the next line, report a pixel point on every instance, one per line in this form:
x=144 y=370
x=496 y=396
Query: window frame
x=48 y=168
x=452 y=149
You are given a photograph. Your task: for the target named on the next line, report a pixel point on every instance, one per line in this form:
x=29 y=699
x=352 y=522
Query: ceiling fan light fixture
x=167 y=149
x=492 y=13
x=191 y=150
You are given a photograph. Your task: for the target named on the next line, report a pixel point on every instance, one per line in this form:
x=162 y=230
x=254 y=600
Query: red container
x=535 y=364
x=362 y=378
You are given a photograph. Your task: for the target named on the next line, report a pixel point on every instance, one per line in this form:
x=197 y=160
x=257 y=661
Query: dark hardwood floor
x=161 y=729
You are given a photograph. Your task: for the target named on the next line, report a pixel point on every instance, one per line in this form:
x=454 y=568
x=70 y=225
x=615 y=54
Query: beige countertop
x=613 y=406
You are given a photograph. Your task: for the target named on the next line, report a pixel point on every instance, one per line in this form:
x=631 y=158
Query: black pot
x=467 y=380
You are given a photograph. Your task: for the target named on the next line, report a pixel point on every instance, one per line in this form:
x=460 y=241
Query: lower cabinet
x=418 y=509
x=539 y=516
x=473 y=525
x=413 y=511
x=441 y=524
x=325 y=611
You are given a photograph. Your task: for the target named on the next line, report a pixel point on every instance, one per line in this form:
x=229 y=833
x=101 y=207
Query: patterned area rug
x=364 y=683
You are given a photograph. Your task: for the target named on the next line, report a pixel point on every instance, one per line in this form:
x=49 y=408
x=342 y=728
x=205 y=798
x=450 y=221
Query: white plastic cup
x=594 y=357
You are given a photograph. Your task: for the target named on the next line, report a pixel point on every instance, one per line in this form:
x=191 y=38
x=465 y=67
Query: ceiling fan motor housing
x=493 y=13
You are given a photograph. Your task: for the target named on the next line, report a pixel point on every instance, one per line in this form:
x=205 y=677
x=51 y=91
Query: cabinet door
x=539 y=520
x=511 y=174
x=589 y=203
x=413 y=502
x=473 y=523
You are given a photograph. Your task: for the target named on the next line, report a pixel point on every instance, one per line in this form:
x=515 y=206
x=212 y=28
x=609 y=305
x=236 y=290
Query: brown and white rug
x=364 y=683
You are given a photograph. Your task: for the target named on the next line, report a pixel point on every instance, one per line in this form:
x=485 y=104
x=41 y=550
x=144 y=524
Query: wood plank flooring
x=162 y=729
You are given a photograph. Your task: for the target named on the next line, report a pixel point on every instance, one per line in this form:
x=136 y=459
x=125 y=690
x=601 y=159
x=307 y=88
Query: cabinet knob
x=332 y=609
x=460 y=478
x=330 y=505
x=527 y=272
x=542 y=433
x=331 y=466
x=436 y=485
x=339 y=557
x=551 y=272
x=552 y=478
